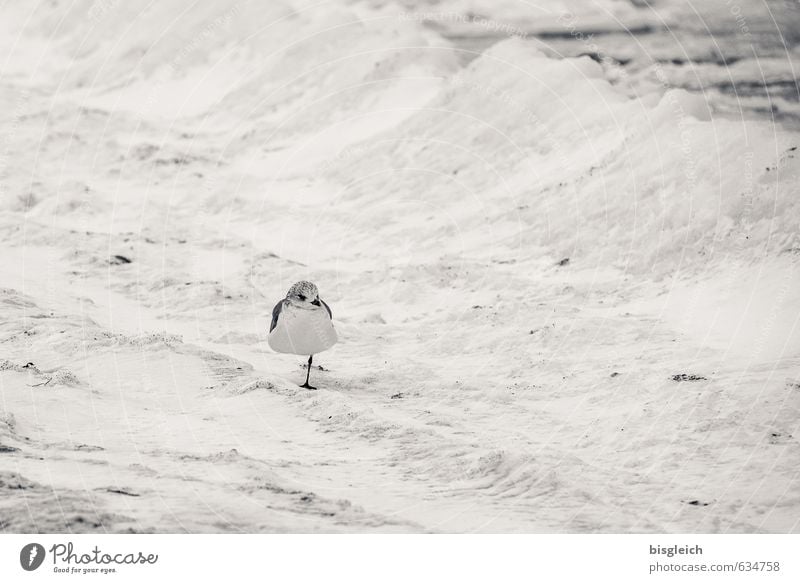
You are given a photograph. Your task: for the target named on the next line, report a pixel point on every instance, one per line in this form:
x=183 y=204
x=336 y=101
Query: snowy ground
x=523 y=253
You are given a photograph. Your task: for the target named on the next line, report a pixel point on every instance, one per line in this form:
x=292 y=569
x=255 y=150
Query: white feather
x=303 y=330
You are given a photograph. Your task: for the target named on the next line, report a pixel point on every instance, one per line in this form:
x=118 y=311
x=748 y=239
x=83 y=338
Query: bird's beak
x=316 y=302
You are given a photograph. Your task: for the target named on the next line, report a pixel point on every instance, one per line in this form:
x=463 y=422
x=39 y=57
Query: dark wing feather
x=276 y=311
x=330 y=314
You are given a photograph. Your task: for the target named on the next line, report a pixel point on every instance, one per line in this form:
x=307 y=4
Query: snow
x=522 y=254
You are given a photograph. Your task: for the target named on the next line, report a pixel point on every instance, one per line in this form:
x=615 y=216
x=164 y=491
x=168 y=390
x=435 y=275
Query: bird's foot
x=307 y=386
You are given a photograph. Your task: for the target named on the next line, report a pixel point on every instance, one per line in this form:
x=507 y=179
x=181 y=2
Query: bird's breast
x=302 y=331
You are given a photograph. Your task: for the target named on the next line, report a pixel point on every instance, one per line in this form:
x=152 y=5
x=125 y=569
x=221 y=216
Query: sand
x=564 y=303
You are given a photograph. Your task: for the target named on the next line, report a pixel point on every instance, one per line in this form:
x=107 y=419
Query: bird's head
x=304 y=293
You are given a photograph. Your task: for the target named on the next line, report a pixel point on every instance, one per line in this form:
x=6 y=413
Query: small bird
x=302 y=324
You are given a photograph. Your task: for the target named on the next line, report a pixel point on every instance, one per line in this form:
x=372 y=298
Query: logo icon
x=31 y=556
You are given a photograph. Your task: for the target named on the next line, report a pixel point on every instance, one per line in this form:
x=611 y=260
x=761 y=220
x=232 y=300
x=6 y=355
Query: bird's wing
x=276 y=311
x=330 y=314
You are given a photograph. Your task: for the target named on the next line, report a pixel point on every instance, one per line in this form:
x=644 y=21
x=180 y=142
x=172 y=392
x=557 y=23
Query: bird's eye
x=302 y=297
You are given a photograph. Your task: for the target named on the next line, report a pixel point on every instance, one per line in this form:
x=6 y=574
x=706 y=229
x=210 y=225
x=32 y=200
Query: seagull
x=302 y=324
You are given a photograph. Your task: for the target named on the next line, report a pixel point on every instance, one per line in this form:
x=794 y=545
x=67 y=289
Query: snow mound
x=551 y=155
x=253 y=386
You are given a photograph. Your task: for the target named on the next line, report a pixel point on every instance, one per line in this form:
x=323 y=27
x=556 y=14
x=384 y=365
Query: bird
x=302 y=324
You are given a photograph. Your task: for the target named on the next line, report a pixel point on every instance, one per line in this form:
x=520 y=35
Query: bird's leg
x=308 y=373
